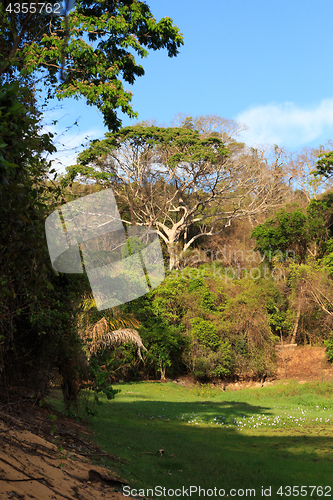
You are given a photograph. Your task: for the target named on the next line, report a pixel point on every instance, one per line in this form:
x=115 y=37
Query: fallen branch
x=31 y=478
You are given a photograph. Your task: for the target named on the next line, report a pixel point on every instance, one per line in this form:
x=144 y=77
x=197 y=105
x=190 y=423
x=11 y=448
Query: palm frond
x=113 y=329
x=87 y=303
x=97 y=331
x=127 y=335
x=123 y=336
x=113 y=321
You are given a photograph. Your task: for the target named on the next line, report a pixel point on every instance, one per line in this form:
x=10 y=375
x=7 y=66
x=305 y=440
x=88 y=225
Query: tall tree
x=208 y=125
x=324 y=165
x=293 y=234
x=35 y=323
x=311 y=289
x=301 y=167
x=174 y=178
x=92 y=45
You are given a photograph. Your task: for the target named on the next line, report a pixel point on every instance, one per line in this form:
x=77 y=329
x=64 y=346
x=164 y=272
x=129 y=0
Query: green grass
x=266 y=437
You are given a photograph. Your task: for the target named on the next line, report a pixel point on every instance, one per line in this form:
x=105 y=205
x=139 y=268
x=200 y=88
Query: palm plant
x=113 y=328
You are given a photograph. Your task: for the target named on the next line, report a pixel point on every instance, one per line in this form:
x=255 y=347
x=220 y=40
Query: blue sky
x=265 y=64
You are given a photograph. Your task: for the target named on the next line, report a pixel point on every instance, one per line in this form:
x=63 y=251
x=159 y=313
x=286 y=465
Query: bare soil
x=46 y=459
x=304 y=363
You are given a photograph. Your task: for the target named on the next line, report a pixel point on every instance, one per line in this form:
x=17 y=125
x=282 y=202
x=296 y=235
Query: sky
x=267 y=65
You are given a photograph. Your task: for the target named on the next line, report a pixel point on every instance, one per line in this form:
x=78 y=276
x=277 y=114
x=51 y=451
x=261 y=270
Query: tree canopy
x=291 y=233
x=93 y=47
x=324 y=165
x=177 y=178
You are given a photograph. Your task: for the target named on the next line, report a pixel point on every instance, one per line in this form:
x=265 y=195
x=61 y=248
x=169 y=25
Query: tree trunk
x=162 y=370
x=174 y=257
x=293 y=338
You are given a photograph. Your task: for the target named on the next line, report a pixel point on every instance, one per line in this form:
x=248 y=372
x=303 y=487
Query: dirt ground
x=43 y=458
x=46 y=459
x=303 y=364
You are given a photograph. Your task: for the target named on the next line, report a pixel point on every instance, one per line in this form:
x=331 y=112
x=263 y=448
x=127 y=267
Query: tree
x=207 y=125
x=291 y=233
x=311 y=289
x=36 y=327
x=302 y=170
x=285 y=234
x=92 y=46
x=175 y=179
x=324 y=165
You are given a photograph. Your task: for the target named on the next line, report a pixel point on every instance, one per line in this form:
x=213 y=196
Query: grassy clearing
x=267 y=437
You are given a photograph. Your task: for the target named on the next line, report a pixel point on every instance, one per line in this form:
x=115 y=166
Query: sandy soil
x=45 y=459
x=40 y=462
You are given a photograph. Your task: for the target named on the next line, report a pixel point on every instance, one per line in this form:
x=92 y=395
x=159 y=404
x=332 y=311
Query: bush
x=205 y=332
x=208 y=356
x=163 y=340
x=207 y=364
x=209 y=300
x=164 y=344
x=221 y=329
x=329 y=347
x=245 y=323
x=168 y=300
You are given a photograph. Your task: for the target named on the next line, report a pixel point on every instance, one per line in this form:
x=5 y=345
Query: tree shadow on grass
x=212 y=455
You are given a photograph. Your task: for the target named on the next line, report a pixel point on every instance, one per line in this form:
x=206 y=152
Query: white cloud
x=287 y=124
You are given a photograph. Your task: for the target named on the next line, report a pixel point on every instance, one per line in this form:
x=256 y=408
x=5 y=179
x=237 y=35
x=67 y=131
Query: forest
x=246 y=234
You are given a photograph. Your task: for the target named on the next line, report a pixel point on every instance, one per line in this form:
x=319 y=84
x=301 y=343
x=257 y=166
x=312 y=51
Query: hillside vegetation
x=246 y=233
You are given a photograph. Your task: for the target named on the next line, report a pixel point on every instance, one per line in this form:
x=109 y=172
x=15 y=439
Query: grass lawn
x=269 y=438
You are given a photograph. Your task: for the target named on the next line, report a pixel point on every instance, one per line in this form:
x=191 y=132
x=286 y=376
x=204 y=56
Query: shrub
x=245 y=323
x=329 y=347
x=208 y=357
x=209 y=300
x=164 y=344
x=168 y=300
x=160 y=336
x=205 y=332
x=207 y=364
x=195 y=284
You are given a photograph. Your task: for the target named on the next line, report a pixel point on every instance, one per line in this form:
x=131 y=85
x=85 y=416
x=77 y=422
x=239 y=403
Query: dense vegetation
x=38 y=308
x=250 y=256
x=223 y=319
